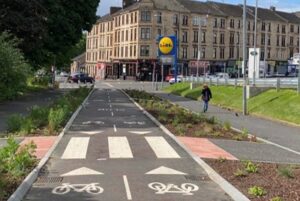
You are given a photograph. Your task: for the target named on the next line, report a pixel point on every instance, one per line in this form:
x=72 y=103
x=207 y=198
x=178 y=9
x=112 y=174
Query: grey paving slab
x=257 y=151
x=121 y=178
x=3 y=142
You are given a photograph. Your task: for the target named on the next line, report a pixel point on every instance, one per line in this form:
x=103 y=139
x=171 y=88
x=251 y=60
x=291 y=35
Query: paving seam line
x=249 y=135
x=24 y=187
x=233 y=192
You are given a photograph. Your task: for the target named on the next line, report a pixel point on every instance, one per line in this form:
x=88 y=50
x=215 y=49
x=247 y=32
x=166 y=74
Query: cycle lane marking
x=161 y=147
x=127 y=188
x=84 y=171
x=119 y=147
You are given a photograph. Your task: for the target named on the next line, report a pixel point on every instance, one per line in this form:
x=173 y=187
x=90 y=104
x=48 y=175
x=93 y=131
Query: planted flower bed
x=16 y=161
x=182 y=122
x=258 y=181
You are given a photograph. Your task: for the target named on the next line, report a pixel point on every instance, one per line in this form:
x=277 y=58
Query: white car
x=172 y=80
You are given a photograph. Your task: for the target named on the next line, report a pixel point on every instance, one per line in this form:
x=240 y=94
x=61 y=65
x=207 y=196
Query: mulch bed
x=267 y=177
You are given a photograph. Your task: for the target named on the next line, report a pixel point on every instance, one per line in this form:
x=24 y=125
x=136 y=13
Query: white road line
x=128 y=193
x=161 y=147
x=119 y=147
x=112 y=114
x=110 y=105
x=76 y=148
x=115 y=128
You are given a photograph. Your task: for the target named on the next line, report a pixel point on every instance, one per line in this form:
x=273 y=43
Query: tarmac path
x=113 y=152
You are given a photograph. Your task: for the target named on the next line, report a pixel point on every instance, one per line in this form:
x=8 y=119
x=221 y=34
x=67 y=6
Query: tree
x=48 y=28
x=13 y=67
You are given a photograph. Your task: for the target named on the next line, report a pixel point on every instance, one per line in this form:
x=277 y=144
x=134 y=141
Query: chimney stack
x=273 y=8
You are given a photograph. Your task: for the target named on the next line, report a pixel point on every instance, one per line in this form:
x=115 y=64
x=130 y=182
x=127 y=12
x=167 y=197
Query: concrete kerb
x=22 y=190
x=234 y=193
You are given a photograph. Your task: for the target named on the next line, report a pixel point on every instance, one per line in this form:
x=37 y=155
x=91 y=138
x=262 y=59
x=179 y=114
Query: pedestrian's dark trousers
x=205 y=105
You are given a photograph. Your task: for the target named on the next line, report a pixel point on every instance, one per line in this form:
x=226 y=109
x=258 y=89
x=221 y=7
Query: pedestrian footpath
x=284 y=146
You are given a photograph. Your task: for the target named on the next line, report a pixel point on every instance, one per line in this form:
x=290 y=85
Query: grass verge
x=283 y=105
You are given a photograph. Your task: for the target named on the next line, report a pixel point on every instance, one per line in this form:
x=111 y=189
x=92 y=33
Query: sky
x=284 y=5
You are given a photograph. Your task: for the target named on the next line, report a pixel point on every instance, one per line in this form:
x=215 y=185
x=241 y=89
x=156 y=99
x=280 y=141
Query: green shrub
x=276 y=199
x=257 y=191
x=27 y=127
x=240 y=173
x=39 y=116
x=286 y=172
x=16 y=160
x=56 y=118
x=227 y=126
x=14 y=123
x=250 y=167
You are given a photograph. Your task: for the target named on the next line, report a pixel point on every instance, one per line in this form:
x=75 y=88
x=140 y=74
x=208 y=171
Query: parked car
x=80 y=78
x=172 y=80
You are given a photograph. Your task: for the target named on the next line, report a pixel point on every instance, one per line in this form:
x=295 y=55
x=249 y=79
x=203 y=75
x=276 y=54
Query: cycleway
x=113 y=152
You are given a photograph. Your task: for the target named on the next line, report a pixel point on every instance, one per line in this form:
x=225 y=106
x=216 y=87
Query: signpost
x=167 y=52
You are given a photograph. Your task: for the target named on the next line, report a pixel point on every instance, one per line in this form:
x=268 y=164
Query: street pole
x=244 y=60
x=265 y=55
x=199 y=47
x=255 y=38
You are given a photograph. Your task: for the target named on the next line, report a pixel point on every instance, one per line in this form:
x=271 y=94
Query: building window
x=231 y=23
x=263 y=26
x=283 y=41
x=269 y=27
x=145 y=50
x=203 y=53
x=215 y=53
x=215 y=22
x=185 y=20
x=277 y=41
x=159 y=32
x=215 y=38
x=195 y=51
x=203 y=37
x=283 y=28
x=196 y=36
x=262 y=55
x=292 y=28
x=291 y=41
x=184 y=36
x=269 y=53
x=159 y=16
x=184 y=52
x=269 y=40
x=222 y=53
x=222 y=38
x=222 y=23
x=145 y=33
x=175 y=19
x=249 y=25
x=263 y=38
x=277 y=28
x=239 y=24
x=145 y=16
x=195 y=21
x=231 y=52
x=231 y=39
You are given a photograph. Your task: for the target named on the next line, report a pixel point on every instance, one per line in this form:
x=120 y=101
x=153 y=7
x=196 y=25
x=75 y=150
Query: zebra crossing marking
x=161 y=147
x=76 y=148
x=119 y=147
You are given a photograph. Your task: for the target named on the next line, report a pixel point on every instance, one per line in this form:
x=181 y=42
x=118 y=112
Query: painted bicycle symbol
x=184 y=189
x=65 y=188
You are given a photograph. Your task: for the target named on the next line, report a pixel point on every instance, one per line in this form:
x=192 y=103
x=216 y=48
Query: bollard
x=235 y=83
x=278 y=84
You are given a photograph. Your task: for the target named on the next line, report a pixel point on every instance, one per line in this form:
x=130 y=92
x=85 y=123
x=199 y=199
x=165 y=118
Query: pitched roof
x=201 y=8
x=290 y=17
x=265 y=14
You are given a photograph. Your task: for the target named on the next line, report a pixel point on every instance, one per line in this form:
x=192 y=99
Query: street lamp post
x=244 y=60
x=255 y=38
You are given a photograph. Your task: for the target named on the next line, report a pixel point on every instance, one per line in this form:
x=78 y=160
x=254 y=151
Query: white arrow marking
x=92 y=122
x=82 y=171
x=101 y=159
x=165 y=170
x=140 y=132
x=91 y=132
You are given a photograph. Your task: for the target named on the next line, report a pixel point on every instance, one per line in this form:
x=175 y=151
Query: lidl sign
x=167 y=45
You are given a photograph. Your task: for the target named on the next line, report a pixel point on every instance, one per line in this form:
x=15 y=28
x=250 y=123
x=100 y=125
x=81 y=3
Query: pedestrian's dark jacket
x=206 y=94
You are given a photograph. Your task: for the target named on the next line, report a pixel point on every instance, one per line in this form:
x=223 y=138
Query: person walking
x=206 y=96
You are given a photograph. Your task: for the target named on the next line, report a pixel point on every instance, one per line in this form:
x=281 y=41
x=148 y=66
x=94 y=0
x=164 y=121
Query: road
x=113 y=152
